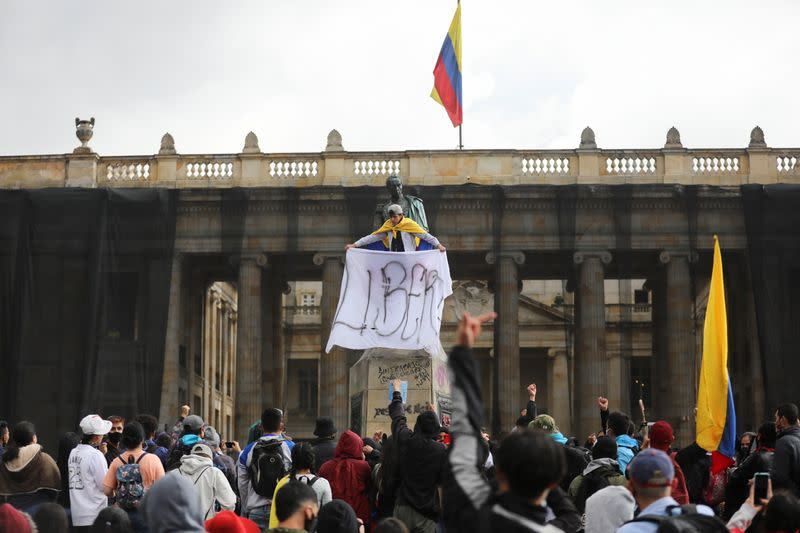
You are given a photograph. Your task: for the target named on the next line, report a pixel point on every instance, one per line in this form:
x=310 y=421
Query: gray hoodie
x=172 y=506
x=210 y=482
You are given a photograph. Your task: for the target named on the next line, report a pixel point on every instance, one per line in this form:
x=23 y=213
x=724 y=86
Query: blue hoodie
x=558 y=437
x=627 y=447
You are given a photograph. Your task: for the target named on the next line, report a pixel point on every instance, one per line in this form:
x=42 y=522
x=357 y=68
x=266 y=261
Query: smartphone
x=229 y=444
x=761 y=485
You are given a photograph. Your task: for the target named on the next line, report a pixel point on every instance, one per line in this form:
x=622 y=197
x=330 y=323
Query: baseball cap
x=202 y=449
x=395 y=209
x=544 y=422
x=194 y=422
x=661 y=435
x=651 y=468
x=228 y=522
x=211 y=437
x=95 y=425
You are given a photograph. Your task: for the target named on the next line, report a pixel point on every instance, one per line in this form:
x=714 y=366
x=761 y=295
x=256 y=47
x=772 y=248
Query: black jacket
x=469 y=504
x=785 y=471
x=422 y=463
x=737 y=489
x=696 y=464
x=323 y=450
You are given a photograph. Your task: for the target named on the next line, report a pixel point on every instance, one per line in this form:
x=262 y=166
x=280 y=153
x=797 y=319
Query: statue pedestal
x=370 y=379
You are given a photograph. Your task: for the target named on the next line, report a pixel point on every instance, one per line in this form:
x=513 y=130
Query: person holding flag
x=399 y=234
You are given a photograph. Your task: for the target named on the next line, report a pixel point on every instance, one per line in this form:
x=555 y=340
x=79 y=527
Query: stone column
x=506 y=336
x=169 y=408
x=679 y=402
x=248 y=348
x=334 y=397
x=558 y=388
x=591 y=365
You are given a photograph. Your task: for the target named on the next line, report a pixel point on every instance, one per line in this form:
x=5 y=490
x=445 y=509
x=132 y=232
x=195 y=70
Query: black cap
x=337 y=516
x=324 y=427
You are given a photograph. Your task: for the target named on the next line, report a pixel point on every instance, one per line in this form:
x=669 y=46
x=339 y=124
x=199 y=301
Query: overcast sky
x=535 y=73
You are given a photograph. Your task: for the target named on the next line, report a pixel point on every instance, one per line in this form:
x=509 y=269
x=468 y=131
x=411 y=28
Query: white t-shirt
x=87 y=469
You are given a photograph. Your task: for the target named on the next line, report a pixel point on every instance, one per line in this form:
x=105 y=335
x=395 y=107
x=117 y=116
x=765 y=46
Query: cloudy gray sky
x=534 y=73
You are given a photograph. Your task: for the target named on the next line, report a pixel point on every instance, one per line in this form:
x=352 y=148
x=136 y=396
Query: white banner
x=391 y=300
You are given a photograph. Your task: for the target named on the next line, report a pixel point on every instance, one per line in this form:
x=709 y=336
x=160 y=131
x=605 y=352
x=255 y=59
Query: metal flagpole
x=460 y=143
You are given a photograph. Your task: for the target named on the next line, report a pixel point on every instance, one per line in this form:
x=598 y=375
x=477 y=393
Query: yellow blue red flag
x=447 y=72
x=716 y=415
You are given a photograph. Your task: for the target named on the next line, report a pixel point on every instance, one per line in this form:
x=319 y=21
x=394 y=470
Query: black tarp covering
x=772 y=218
x=84 y=294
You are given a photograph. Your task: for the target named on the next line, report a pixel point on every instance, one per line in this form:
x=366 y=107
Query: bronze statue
x=412 y=206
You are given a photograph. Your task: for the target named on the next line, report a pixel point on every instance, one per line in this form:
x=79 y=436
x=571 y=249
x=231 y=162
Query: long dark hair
x=112 y=520
x=22 y=435
x=65 y=446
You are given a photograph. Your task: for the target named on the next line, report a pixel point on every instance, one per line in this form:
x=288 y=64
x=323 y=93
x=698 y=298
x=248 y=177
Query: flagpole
x=460 y=143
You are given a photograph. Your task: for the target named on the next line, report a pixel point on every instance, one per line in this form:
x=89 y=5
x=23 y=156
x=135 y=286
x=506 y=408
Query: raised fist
x=532 y=391
x=602 y=403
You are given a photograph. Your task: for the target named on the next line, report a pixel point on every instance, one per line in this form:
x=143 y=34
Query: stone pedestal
x=370 y=378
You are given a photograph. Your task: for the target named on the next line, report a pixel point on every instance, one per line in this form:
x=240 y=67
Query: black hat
x=604 y=447
x=324 y=427
x=337 y=516
x=428 y=424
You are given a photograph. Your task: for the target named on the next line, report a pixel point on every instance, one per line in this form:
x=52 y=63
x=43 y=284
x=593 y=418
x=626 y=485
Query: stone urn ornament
x=84 y=129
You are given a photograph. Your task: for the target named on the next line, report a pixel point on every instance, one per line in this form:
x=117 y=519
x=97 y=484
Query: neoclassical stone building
x=137 y=283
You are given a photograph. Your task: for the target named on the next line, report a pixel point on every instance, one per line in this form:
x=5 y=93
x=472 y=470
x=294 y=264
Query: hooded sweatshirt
x=603 y=467
x=627 y=447
x=211 y=484
x=172 y=506
x=608 y=508
x=349 y=474
x=31 y=478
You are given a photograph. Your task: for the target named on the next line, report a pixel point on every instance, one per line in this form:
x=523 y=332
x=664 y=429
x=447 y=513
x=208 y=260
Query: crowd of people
x=122 y=476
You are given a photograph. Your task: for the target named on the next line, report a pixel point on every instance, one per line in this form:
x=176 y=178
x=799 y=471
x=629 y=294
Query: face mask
x=311 y=525
x=114 y=438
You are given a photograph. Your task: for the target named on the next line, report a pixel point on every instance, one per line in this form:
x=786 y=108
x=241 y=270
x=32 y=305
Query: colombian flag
x=716 y=416
x=447 y=72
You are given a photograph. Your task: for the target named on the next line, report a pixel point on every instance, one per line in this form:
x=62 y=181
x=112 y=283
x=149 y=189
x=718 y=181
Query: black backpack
x=594 y=481
x=175 y=454
x=266 y=466
x=578 y=458
x=689 y=521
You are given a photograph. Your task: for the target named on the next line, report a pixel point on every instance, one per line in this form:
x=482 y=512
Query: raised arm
x=369 y=239
x=465 y=488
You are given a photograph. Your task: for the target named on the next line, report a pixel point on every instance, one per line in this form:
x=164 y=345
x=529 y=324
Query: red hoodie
x=349 y=474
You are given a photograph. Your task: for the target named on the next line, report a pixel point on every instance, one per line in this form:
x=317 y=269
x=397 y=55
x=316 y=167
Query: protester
x=385 y=479
x=51 y=518
x=87 y=471
x=744 y=446
x=150 y=425
x=577 y=458
x=177 y=428
x=28 y=476
x=349 y=474
x=661 y=438
x=422 y=464
x=601 y=472
x=256 y=501
x=338 y=517
x=695 y=463
x=325 y=443
x=172 y=506
x=134 y=472
x=608 y=508
x=778 y=513
x=618 y=426
x=303 y=466
x=111 y=520
x=66 y=444
x=296 y=508
x=15 y=521
x=193 y=433
x=114 y=437
x=228 y=522
x=651 y=476
x=760 y=460
x=225 y=463
x=399 y=234
x=528 y=465
x=210 y=483
x=4 y=436
x=390 y=525
x=785 y=471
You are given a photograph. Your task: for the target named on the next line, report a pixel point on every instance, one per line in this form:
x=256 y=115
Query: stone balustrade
x=588 y=164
